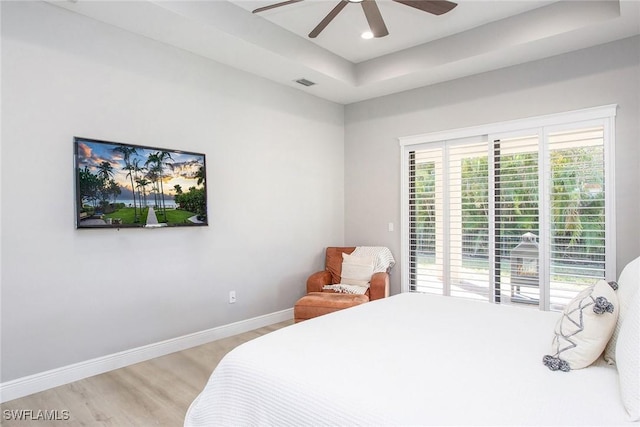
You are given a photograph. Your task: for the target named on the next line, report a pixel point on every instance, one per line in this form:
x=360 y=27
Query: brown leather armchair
x=379 y=285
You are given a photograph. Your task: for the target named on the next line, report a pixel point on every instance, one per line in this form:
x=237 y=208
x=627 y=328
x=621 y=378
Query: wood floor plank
x=157 y=392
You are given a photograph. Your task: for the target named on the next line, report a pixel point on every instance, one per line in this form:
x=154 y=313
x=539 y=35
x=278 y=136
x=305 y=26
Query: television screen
x=122 y=185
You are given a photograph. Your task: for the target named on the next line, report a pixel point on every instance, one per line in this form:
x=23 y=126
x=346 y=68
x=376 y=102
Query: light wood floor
x=157 y=392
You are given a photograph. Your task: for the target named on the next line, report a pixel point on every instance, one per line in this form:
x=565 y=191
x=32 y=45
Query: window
x=516 y=212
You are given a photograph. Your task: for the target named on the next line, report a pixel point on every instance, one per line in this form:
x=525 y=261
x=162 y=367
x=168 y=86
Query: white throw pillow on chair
x=356 y=270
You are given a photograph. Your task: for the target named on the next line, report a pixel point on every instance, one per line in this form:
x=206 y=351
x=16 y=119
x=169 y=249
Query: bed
x=411 y=359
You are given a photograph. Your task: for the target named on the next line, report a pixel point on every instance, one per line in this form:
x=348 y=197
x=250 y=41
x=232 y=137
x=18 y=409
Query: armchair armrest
x=379 y=286
x=317 y=280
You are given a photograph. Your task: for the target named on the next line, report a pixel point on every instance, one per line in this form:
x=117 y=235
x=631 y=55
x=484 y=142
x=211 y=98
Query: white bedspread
x=411 y=359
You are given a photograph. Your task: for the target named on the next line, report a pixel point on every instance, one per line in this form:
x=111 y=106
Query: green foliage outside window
x=576 y=202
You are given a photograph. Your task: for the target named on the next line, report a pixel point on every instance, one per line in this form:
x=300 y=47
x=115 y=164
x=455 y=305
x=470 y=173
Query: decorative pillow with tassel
x=584 y=329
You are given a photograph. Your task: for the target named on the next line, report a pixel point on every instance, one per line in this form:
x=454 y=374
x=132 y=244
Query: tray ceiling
x=421 y=49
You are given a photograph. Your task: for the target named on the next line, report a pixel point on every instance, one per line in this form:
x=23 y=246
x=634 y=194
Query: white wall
x=607 y=74
x=275 y=191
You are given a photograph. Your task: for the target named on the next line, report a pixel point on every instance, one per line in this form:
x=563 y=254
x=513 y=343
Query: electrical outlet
x=232 y=297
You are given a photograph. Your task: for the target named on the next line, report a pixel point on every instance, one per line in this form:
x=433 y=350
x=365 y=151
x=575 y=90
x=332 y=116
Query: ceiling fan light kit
x=371 y=12
x=367 y=35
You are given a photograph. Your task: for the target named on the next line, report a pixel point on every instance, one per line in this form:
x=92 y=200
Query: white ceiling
x=407 y=26
x=421 y=49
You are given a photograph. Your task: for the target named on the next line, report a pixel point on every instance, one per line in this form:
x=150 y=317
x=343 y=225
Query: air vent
x=305 y=82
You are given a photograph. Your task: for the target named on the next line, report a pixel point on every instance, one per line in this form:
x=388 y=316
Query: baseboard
x=25 y=386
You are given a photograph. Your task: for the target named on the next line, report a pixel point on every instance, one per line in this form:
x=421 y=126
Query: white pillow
x=584 y=329
x=628 y=285
x=628 y=358
x=356 y=270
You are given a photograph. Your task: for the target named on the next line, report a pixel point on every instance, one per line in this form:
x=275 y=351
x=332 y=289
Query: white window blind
x=577 y=211
x=449 y=198
x=426 y=235
x=518 y=217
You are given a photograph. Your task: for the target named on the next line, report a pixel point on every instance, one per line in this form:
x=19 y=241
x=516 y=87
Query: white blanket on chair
x=347 y=289
x=382 y=255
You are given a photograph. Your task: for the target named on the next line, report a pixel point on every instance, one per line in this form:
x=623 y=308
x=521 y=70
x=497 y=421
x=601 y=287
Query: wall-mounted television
x=122 y=185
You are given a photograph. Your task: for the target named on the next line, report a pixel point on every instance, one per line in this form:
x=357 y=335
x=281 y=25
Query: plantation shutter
x=448 y=198
x=516 y=219
x=426 y=220
x=468 y=234
x=577 y=211
x=519 y=220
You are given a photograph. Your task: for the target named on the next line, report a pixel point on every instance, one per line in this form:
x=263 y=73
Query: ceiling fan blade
x=435 y=7
x=374 y=18
x=334 y=12
x=272 y=6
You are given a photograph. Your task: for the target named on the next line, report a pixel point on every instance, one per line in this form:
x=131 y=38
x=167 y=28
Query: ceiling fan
x=371 y=12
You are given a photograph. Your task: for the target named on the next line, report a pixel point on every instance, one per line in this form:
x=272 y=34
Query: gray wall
x=607 y=74
x=275 y=190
